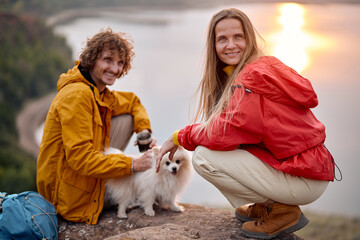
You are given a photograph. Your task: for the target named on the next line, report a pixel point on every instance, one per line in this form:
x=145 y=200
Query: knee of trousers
x=121 y=130
x=122 y=124
x=200 y=161
x=125 y=119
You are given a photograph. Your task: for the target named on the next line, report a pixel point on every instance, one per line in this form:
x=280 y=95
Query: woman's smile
x=230 y=41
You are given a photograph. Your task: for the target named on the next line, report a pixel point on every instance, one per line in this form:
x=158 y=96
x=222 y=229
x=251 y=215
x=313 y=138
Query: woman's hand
x=168 y=146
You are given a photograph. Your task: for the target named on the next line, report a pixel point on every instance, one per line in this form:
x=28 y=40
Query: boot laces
x=252 y=205
x=264 y=215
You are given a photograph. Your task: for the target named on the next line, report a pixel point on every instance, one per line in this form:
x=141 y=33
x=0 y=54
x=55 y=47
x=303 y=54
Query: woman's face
x=230 y=41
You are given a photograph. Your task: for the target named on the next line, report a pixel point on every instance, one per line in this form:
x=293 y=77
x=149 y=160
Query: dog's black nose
x=174 y=169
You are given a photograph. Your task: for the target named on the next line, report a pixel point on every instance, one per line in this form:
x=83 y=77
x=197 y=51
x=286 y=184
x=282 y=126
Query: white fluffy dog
x=147 y=188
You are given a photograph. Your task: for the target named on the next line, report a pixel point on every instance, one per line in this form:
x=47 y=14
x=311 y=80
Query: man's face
x=108 y=67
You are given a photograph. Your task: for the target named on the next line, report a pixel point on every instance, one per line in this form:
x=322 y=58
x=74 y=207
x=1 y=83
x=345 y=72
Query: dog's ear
x=156 y=150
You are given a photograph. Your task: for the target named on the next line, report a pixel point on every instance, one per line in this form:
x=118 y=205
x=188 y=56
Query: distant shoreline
x=71 y=14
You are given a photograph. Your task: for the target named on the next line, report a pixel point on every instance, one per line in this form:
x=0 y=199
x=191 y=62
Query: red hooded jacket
x=270 y=118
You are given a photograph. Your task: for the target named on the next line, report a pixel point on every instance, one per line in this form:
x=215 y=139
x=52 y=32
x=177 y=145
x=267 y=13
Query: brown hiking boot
x=277 y=218
x=249 y=212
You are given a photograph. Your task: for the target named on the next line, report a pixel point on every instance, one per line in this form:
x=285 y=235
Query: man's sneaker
x=249 y=212
x=276 y=219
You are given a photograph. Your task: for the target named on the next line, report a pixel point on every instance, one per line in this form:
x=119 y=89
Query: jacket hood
x=274 y=80
x=73 y=75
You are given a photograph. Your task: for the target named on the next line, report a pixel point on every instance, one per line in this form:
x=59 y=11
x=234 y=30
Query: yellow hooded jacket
x=71 y=170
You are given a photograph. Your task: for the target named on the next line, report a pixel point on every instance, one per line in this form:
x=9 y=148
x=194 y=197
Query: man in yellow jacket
x=71 y=169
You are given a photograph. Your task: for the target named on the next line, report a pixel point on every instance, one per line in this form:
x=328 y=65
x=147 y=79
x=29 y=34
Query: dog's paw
x=122 y=215
x=177 y=208
x=149 y=212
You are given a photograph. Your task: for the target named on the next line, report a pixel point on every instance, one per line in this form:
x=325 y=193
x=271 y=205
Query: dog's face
x=173 y=166
x=180 y=160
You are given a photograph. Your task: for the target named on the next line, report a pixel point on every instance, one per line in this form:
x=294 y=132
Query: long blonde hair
x=215 y=86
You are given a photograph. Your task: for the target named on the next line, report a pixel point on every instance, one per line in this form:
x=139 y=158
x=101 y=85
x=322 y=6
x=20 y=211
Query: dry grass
x=326 y=227
x=330 y=227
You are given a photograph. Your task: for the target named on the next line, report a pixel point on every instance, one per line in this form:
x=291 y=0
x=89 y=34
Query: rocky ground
x=196 y=222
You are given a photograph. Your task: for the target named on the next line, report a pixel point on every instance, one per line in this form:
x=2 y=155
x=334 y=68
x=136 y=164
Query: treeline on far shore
x=31 y=59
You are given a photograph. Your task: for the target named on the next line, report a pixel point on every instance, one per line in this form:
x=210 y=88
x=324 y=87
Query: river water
x=320 y=41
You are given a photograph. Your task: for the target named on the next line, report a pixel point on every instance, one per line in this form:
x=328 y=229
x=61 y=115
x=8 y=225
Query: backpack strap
x=2 y=197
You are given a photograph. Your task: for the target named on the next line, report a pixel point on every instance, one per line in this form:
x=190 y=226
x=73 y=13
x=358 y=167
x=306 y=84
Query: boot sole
x=260 y=235
x=243 y=218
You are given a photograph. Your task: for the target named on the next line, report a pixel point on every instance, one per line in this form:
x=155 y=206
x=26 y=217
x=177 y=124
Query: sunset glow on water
x=294 y=44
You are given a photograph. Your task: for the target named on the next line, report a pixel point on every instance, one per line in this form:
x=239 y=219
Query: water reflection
x=293 y=44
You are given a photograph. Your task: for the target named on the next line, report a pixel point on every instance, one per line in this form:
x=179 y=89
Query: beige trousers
x=243 y=178
x=121 y=130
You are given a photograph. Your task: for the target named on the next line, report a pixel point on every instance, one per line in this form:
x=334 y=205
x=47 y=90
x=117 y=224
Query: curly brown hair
x=107 y=40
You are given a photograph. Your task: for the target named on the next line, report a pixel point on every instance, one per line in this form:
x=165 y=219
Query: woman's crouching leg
x=206 y=164
x=243 y=178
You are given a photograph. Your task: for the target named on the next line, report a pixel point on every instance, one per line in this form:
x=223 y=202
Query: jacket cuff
x=175 y=137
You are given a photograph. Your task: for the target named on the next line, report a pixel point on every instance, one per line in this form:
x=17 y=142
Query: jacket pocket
x=82 y=183
x=74 y=195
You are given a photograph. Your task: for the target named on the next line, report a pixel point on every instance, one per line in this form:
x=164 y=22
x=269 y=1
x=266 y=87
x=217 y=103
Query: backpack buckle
x=2 y=197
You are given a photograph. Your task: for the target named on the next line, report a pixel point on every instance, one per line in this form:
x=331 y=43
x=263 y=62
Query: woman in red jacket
x=258 y=142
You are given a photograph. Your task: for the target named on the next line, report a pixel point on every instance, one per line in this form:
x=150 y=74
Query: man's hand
x=153 y=141
x=144 y=162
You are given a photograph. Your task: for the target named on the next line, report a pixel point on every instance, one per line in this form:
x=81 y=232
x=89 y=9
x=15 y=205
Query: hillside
x=31 y=59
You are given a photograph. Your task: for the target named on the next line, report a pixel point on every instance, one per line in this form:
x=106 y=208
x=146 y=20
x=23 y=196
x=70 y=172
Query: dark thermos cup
x=143 y=140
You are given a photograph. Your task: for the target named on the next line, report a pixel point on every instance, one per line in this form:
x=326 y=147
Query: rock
x=196 y=222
